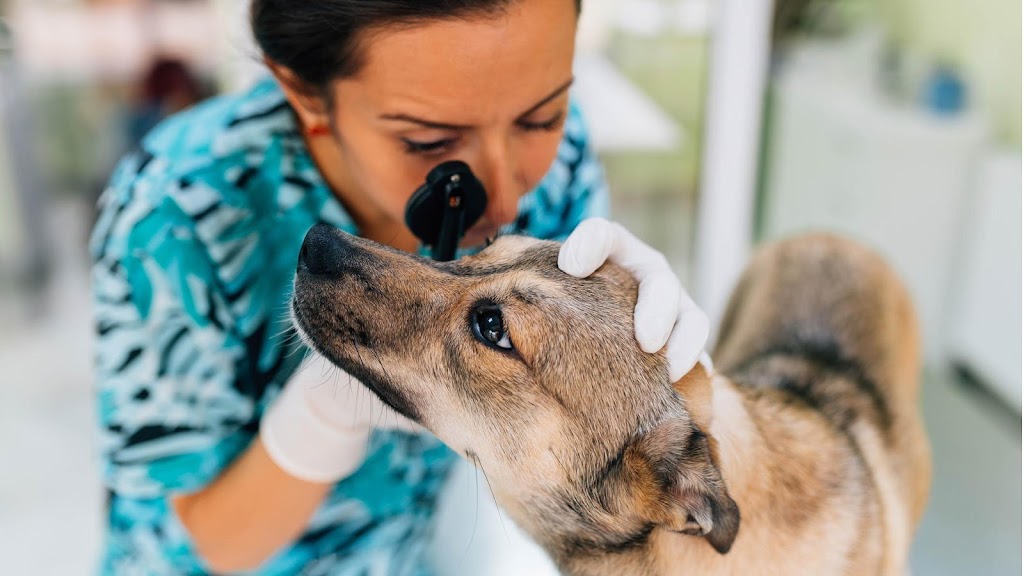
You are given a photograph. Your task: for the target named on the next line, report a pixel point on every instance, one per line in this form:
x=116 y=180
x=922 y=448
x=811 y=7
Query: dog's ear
x=684 y=490
x=695 y=389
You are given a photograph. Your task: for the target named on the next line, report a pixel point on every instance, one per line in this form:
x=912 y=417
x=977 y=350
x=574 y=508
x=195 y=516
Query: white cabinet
x=842 y=158
x=985 y=331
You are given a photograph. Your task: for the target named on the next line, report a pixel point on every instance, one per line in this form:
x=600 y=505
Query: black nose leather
x=324 y=251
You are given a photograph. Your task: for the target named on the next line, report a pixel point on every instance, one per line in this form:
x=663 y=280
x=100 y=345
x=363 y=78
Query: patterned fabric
x=193 y=257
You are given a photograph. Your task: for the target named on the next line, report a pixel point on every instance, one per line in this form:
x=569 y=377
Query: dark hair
x=318 y=40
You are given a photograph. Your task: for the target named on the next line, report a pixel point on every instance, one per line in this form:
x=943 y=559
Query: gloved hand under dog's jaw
x=317 y=429
x=665 y=313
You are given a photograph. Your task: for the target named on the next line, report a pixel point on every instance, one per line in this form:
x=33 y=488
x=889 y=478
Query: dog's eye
x=489 y=326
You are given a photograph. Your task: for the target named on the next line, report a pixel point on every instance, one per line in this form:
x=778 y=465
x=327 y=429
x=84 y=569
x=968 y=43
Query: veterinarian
x=218 y=453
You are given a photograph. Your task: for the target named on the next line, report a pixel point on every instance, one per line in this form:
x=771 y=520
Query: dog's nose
x=323 y=251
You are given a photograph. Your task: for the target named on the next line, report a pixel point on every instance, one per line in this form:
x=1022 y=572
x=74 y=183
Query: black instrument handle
x=453 y=223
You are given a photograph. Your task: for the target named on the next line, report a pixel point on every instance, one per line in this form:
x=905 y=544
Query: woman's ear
x=311 y=106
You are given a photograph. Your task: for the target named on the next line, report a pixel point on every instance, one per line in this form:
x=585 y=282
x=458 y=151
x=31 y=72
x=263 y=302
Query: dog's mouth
x=376 y=382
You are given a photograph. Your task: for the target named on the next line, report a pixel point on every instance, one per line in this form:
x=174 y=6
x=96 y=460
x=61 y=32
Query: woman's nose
x=500 y=178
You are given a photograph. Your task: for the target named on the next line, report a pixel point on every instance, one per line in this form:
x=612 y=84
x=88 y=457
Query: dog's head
x=534 y=375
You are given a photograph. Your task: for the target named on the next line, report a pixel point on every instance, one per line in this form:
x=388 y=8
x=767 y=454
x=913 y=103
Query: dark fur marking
x=558 y=398
x=528 y=297
x=460 y=375
x=385 y=390
x=613 y=544
x=456 y=269
x=826 y=357
x=612 y=467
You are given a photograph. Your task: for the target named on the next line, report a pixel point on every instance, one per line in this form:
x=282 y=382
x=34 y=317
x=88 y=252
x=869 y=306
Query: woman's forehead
x=503 y=63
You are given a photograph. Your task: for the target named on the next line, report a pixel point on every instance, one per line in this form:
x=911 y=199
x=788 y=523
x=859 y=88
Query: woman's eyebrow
x=426 y=123
x=558 y=92
x=445 y=126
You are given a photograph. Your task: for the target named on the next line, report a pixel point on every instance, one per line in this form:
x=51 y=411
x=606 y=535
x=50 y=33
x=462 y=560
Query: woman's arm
x=314 y=434
x=249 y=512
x=178 y=391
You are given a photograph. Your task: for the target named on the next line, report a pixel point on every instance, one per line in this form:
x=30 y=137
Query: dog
x=803 y=452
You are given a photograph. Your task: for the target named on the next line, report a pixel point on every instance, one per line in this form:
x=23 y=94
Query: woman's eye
x=427 y=148
x=489 y=326
x=547 y=126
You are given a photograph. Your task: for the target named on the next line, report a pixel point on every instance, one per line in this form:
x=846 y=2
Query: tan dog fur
x=804 y=453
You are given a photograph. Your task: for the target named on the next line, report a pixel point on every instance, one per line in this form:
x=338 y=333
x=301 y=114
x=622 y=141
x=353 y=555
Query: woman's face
x=490 y=91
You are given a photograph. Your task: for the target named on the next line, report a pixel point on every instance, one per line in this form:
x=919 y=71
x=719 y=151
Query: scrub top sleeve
x=170 y=370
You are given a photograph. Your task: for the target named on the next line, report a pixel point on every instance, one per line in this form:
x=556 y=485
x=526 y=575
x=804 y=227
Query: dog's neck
x=738 y=440
x=741 y=451
x=718 y=408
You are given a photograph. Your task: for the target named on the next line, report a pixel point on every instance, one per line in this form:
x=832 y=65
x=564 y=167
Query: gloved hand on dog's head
x=664 y=313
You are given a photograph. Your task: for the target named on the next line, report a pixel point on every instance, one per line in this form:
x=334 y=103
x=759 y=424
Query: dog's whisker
x=288 y=332
x=493 y=497
x=292 y=340
x=294 y=349
x=387 y=375
x=306 y=363
x=284 y=316
x=325 y=372
x=476 y=516
x=326 y=368
x=287 y=328
x=359 y=355
x=333 y=376
x=560 y=464
x=356 y=403
x=286 y=337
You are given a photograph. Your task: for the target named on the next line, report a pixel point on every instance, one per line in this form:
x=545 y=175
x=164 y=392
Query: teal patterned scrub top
x=193 y=257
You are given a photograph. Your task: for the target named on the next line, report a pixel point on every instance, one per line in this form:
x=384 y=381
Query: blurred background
x=721 y=123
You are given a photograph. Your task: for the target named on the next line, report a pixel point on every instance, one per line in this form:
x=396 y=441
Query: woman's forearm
x=249 y=512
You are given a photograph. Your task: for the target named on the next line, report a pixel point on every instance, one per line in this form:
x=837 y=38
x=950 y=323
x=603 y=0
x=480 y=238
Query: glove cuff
x=304 y=445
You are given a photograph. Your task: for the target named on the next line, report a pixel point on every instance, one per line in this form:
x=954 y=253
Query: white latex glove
x=664 y=311
x=318 y=428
